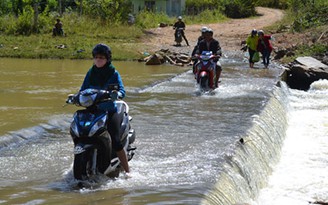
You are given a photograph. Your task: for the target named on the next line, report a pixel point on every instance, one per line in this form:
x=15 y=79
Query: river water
x=188 y=145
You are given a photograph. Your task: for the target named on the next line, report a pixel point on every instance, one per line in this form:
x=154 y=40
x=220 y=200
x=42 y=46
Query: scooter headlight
x=87 y=100
x=100 y=123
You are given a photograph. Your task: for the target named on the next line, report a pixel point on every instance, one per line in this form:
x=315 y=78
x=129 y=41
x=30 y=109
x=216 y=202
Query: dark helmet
x=102 y=49
x=209 y=31
x=254 y=32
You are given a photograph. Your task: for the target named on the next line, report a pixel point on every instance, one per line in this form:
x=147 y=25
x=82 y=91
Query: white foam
x=301 y=176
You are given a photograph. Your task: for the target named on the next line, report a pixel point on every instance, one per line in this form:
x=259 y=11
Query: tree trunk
x=60 y=7
x=81 y=6
x=36 y=14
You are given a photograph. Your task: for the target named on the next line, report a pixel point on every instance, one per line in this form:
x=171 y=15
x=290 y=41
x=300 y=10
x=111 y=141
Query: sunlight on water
x=301 y=176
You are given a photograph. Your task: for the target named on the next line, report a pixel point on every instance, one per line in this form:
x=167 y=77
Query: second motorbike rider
x=210 y=44
x=102 y=75
x=182 y=25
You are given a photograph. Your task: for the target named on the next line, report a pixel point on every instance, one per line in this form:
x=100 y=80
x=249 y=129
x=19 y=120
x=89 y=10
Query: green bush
x=147 y=19
x=315 y=49
x=206 y=16
x=24 y=25
x=240 y=8
x=308 y=14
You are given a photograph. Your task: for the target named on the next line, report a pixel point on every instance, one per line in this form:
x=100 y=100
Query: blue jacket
x=104 y=79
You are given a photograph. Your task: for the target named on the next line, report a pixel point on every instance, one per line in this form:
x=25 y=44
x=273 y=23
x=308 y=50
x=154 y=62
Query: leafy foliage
x=147 y=19
x=309 y=14
x=206 y=16
x=114 y=10
x=240 y=8
x=231 y=8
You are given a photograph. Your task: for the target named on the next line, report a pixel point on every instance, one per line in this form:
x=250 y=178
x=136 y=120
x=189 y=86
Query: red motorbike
x=204 y=70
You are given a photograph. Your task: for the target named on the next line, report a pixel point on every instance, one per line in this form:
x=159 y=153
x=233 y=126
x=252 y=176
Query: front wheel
x=203 y=82
x=82 y=166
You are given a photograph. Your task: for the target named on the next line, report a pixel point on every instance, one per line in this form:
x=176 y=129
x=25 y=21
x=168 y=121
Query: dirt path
x=229 y=33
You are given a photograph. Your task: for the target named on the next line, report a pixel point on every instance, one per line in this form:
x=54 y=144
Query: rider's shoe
x=217 y=84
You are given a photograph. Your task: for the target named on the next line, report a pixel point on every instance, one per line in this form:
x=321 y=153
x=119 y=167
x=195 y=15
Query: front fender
x=80 y=148
x=203 y=74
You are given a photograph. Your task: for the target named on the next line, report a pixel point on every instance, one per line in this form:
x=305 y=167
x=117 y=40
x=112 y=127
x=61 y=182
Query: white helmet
x=180 y=17
x=204 y=29
x=260 y=32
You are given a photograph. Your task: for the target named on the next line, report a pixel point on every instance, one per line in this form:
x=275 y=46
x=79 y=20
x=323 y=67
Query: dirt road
x=229 y=33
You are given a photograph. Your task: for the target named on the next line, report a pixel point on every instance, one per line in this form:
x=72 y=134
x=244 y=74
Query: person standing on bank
x=264 y=46
x=251 y=42
x=103 y=75
x=58 y=29
x=182 y=25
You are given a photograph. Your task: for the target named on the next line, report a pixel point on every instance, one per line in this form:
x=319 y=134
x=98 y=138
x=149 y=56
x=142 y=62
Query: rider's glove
x=114 y=95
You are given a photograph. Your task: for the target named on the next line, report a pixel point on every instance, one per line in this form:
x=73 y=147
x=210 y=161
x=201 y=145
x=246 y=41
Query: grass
x=71 y=47
x=77 y=44
x=83 y=33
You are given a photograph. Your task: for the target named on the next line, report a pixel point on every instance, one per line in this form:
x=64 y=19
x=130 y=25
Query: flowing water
x=217 y=148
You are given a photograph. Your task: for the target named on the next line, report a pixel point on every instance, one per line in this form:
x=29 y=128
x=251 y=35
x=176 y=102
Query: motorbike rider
x=210 y=44
x=180 y=24
x=200 y=38
x=103 y=75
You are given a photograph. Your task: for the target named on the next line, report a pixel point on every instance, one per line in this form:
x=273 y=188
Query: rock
x=319 y=202
x=61 y=46
x=304 y=71
x=280 y=53
x=163 y=25
x=310 y=62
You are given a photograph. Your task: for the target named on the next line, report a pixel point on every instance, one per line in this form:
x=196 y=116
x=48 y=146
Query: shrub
x=240 y=8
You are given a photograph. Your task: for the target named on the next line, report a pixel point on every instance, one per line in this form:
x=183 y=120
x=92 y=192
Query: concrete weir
x=250 y=160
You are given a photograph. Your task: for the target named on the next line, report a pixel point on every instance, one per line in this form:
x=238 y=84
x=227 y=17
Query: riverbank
x=131 y=43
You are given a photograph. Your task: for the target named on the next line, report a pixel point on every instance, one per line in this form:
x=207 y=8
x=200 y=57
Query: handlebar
x=90 y=97
x=195 y=57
